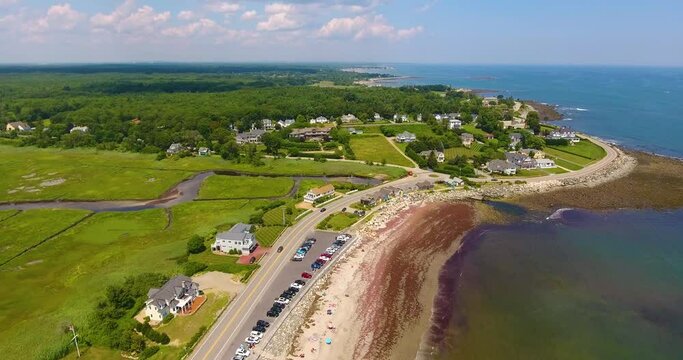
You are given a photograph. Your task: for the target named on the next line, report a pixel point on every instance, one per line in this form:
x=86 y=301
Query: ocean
x=638 y=107
x=583 y=286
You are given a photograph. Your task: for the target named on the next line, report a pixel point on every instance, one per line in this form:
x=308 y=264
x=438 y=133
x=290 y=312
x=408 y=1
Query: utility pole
x=75 y=339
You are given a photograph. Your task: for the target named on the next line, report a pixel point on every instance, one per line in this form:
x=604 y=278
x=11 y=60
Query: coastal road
x=234 y=324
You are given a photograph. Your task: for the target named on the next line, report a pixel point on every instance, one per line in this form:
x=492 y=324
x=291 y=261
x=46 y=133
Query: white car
x=283 y=301
x=344 y=237
x=243 y=351
x=296 y=286
x=256 y=334
x=330 y=250
x=252 y=340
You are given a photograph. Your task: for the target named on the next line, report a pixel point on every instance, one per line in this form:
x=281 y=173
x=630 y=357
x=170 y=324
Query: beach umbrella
x=328 y=341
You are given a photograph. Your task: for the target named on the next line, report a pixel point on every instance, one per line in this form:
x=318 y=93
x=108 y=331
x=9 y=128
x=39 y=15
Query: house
x=424 y=185
x=377 y=117
x=311 y=134
x=440 y=156
x=454 y=124
x=252 y=136
x=489 y=136
x=502 y=167
x=467 y=139
x=175 y=296
x=17 y=126
x=515 y=138
x=83 y=129
x=239 y=238
x=387 y=193
x=565 y=133
x=319 y=120
x=405 y=137
x=440 y=117
x=268 y=124
x=544 y=163
x=318 y=193
x=355 y=131
x=533 y=153
x=521 y=160
x=203 y=151
x=174 y=149
x=419 y=117
x=369 y=200
x=286 y=123
x=516 y=123
x=348 y=118
x=455 y=182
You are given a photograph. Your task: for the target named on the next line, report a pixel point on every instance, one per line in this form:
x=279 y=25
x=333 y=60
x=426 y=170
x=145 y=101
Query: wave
x=580 y=109
x=574 y=109
x=557 y=215
x=567 y=119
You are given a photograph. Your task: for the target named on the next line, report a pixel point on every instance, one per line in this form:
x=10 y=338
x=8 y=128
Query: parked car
x=323 y=209
x=296 y=286
x=283 y=301
x=257 y=334
x=259 y=329
x=263 y=323
x=300 y=282
x=252 y=260
x=279 y=249
x=306 y=275
x=272 y=313
x=238 y=357
x=243 y=351
x=252 y=340
x=343 y=209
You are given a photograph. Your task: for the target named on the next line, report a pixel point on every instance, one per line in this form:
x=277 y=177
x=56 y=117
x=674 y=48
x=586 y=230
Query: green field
x=60 y=280
x=584 y=148
x=308 y=184
x=377 y=149
x=244 y=187
x=87 y=174
x=266 y=235
x=181 y=328
x=417 y=129
x=451 y=153
x=338 y=221
x=566 y=164
x=473 y=130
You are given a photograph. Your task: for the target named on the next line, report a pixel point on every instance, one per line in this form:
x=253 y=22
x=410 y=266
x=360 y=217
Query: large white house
x=17 y=126
x=176 y=296
x=405 y=137
x=454 y=124
x=319 y=120
x=317 y=193
x=239 y=238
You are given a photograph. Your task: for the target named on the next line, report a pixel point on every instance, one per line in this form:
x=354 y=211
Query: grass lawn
x=567 y=165
x=87 y=174
x=338 y=221
x=60 y=280
x=29 y=228
x=584 y=148
x=377 y=149
x=6 y=214
x=181 y=328
x=451 y=153
x=555 y=170
x=266 y=235
x=415 y=128
x=473 y=130
x=243 y=187
x=531 y=172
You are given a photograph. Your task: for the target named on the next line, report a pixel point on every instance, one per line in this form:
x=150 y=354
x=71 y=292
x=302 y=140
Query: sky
x=610 y=32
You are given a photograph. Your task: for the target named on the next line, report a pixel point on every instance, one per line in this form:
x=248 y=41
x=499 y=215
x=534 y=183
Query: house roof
x=177 y=286
x=322 y=190
x=516 y=136
x=467 y=136
x=239 y=232
x=516 y=157
x=251 y=133
x=500 y=165
x=428 y=152
x=19 y=124
x=405 y=134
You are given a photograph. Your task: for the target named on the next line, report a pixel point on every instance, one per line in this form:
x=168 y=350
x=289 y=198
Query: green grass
x=88 y=174
x=377 y=149
x=417 y=129
x=267 y=235
x=531 y=172
x=473 y=130
x=555 y=170
x=60 y=281
x=181 y=328
x=29 y=228
x=338 y=221
x=567 y=165
x=584 y=148
x=463 y=151
x=308 y=184
x=243 y=187
x=6 y=214
x=578 y=160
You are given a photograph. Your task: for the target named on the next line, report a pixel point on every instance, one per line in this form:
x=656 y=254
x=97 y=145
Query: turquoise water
x=587 y=286
x=637 y=107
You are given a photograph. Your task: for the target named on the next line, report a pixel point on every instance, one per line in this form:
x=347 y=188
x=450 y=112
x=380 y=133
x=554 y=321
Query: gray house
x=521 y=160
x=239 y=237
x=176 y=296
x=502 y=167
x=406 y=137
x=251 y=137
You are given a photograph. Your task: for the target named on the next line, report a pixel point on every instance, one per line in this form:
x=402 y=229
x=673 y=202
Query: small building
x=419 y=117
x=521 y=160
x=82 y=129
x=354 y=131
x=311 y=134
x=440 y=156
x=369 y=200
x=318 y=193
x=515 y=138
x=319 y=120
x=454 y=124
x=467 y=139
x=175 y=148
x=174 y=297
x=387 y=193
x=268 y=124
x=502 y=167
x=18 y=126
x=348 y=118
x=252 y=136
x=239 y=238
x=455 y=182
x=489 y=136
x=424 y=185
x=203 y=151
x=377 y=117
x=533 y=153
x=406 y=137
x=516 y=123
x=285 y=123
x=544 y=163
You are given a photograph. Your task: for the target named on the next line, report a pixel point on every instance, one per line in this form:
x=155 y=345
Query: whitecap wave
x=580 y=109
x=557 y=215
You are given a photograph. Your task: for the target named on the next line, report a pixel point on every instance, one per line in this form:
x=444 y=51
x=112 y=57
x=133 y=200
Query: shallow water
x=587 y=286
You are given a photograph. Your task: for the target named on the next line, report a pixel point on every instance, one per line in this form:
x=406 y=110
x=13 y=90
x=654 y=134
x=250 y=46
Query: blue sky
x=625 y=32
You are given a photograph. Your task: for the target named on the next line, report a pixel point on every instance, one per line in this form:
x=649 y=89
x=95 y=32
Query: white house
x=564 y=133
x=454 y=182
x=515 y=138
x=285 y=123
x=239 y=238
x=454 y=124
x=467 y=139
x=545 y=163
x=348 y=118
x=83 y=129
x=377 y=117
x=176 y=296
x=17 y=126
x=317 y=193
x=203 y=151
x=440 y=156
x=268 y=124
x=174 y=149
x=406 y=137
x=319 y=120
x=419 y=117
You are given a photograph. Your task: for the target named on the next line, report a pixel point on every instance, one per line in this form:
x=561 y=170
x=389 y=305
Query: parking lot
x=290 y=272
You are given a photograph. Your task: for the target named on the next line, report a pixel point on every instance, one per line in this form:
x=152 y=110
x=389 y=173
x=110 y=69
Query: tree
x=272 y=141
x=195 y=245
x=230 y=150
x=533 y=122
x=431 y=160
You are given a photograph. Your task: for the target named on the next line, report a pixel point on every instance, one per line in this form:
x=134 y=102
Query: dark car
x=343 y=209
x=306 y=275
x=300 y=282
x=278 y=305
x=272 y=313
x=260 y=329
x=262 y=323
x=279 y=250
x=252 y=260
x=293 y=290
x=323 y=209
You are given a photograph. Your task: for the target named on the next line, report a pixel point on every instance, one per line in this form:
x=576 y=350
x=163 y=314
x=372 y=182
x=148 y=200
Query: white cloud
x=7 y=2
x=202 y=26
x=275 y=8
x=60 y=17
x=281 y=16
x=427 y=5
x=127 y=19
x=361 y=27
x=223 y=7
x=186 y=15
x=249 y=15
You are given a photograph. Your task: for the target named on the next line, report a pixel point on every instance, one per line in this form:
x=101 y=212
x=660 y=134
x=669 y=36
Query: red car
x=306 y=275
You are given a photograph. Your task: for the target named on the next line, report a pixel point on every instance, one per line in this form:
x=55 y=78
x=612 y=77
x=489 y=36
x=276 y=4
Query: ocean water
x=638 y=107
x=584 y=286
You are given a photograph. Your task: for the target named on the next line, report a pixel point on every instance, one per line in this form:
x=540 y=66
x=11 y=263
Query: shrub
x=192 y=267
x=149 y=352
x=153 y=335
x=168 y=318
x=195 y=245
